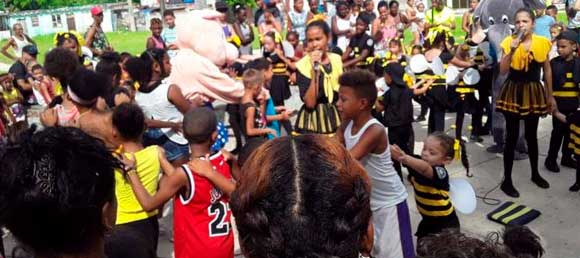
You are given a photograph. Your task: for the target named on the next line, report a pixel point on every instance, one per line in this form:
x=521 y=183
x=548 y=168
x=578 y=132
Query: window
x=56 y=21
x=4 y=23
x=35 y=22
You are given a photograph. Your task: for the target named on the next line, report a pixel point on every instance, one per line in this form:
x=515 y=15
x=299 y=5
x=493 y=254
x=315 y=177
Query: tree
x=22 y=5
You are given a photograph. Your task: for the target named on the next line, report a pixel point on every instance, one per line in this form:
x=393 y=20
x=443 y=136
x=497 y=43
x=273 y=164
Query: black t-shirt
x=565 y=79
x=434 y=203
x=358 y=43
x=18 y=69
x=398 y=106
x=304 y=83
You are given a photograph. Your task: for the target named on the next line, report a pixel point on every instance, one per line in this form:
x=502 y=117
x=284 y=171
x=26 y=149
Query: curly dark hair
x=447 y=142
x=61 y=63
x=523 y=242
x=362 y=82
x=451 y=244
x=301 y=197
x=53 y=189
x=129 y=121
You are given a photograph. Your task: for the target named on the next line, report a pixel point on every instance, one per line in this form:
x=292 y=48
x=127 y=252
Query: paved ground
x=557 y=226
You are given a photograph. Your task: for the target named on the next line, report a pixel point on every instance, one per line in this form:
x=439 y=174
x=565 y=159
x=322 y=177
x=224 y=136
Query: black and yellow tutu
x=522 y=98
x=324 y=119
x=522 y=93
x=574 y=121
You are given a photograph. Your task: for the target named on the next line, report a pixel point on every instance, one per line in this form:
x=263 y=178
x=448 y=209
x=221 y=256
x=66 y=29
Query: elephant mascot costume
x=494 y=21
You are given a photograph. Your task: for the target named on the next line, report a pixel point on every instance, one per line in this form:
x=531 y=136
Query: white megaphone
x=419 y=64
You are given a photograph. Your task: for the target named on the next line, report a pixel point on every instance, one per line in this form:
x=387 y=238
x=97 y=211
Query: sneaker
x=475 y=138
x=569 y=162
x=575 y=187
x=520 y=155
x=509 y=190
x=420 y=119
x=495 y=149
x=552 y=166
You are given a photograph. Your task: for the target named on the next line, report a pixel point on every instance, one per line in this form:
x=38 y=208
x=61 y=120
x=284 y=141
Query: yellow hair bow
x=457 y=149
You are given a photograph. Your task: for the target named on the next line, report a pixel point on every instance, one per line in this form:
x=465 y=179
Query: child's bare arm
x=166 y=166
x=204 y=168
x=558 y=115
x=461 y=63
x=419 y=165
x=371 y=139
x=249 y=124
x=422 y=86
x=168 y=187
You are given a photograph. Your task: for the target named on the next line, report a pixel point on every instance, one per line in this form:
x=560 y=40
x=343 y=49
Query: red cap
x=96 y=10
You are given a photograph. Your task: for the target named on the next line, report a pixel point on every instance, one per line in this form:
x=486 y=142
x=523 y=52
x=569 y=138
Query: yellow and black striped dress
x=279 y=86
x=574 y=121
x=433 y=202
x=523 y=93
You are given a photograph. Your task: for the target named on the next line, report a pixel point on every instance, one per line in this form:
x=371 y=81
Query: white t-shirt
x=387 y=190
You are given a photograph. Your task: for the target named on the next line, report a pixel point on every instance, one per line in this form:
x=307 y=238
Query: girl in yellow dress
x=523 y=97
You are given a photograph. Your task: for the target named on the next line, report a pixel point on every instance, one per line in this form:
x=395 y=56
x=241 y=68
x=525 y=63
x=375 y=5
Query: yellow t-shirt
x=148 y=169
x=435 y=17
x=539 y=49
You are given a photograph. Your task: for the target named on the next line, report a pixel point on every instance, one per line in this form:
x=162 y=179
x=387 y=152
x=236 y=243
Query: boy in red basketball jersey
x=201 y=217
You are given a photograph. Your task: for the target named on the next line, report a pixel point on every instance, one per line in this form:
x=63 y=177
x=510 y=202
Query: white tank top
x=343 y=24
x=387 y=190
x=156 y=106
x=19 y=45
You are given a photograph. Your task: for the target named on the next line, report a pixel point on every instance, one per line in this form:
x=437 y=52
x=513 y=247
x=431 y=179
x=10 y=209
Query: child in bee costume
x=566 y=80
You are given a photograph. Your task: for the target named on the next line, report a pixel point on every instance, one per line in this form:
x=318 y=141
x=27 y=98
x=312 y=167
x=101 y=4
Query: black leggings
x=475 y=117
x=235 y=120
x=436 y=120
x=513 y=131
x=285 y=123
x=400 y=136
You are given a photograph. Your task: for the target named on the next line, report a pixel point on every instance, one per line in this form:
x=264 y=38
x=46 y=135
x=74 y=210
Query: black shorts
x=136 y=239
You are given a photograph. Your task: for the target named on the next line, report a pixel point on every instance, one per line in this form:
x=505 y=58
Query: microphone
x=520 y=34
x=316 y=66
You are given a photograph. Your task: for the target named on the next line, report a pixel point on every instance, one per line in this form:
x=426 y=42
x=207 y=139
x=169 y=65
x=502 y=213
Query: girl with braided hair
x=302 y=196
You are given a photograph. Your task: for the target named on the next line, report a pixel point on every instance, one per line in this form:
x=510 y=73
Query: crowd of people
x=120 y=141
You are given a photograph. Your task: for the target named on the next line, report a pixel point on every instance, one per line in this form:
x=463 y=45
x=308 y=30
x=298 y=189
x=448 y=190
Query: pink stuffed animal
x=202 y=51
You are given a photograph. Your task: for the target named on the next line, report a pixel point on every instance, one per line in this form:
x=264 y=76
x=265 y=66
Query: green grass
x=132 y=42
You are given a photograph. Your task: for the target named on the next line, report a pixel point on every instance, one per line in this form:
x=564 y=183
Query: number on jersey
x=218 y=226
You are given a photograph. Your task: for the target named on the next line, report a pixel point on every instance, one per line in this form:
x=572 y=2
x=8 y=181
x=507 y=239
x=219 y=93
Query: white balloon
x=462 y=195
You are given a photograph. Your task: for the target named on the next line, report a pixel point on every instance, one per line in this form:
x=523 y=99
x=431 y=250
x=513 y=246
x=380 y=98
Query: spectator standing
x=343 y=25
x=18 y=41
x=169 y=34
x=543 y=24
x=243 y=29
x=156 y=41
x=439 y=19
x=297 y=19
x=264 y=5
x=572 y=7
x=95 y=38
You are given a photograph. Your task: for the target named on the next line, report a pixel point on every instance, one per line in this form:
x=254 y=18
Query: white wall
x=45 y=26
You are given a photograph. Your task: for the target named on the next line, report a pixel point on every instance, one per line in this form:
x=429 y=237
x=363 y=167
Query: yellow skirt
x=522 y=98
